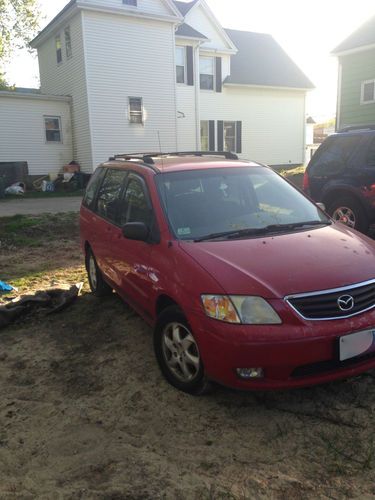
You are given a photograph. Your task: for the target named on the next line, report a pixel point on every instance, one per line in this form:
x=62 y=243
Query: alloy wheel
x=345 y=215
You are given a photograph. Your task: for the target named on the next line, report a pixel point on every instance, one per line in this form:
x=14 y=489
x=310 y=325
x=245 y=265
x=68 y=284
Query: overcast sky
x=307 y=30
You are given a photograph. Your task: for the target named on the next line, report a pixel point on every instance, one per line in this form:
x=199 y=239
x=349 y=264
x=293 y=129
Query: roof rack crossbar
x=357 y=127
x=227 y=154
x=145 y=157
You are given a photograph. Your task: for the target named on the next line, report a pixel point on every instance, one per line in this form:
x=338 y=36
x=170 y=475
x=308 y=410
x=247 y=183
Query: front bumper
x=295 y=354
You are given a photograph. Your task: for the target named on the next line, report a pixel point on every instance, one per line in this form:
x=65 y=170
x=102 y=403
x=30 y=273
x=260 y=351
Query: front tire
x=97 y=284
x=178 y=354
x=350 y=212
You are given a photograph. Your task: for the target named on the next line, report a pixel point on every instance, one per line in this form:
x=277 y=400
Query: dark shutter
x=219 y=77
x=190 y=65
x=211 y=135
x=239 y=137
x=220 y=136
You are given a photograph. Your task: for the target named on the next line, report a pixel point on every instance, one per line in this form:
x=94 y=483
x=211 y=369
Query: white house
x=145 y=75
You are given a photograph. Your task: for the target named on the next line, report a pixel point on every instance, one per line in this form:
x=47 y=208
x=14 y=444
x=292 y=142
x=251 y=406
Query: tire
x=97 y=284
x=350 y=209
x=177 y=353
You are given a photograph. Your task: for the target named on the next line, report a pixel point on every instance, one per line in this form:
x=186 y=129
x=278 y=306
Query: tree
x=19 y=21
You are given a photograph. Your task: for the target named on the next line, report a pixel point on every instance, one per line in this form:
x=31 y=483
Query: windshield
x=208 y=202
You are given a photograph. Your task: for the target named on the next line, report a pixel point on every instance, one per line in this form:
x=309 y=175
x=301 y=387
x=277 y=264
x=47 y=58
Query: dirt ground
x=85 y=413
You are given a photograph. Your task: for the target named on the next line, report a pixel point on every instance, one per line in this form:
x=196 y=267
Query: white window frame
x=203 y=56
x=52 y=117
x=68 y=42
x=363 y=92
x=185 y=65
x=58 y=38
x=135 y=113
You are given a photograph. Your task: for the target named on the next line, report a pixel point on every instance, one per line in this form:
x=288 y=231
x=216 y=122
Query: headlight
x=240 y=309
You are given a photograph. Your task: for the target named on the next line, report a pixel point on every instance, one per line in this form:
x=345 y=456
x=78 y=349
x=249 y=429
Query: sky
x=307 y=30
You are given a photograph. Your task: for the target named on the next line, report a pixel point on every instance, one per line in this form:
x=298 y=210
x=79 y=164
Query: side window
x=92 y=187
x=135 y=206
x=109 y=194
x=371 y=154
x=332 y=156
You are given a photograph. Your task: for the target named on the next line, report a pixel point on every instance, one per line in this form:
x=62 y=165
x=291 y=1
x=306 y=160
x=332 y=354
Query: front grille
x=325 y=305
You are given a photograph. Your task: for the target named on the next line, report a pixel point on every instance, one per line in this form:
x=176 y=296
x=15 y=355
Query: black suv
x=341 y=175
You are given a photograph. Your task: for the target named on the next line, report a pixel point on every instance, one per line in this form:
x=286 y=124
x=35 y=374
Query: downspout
x=338 y=103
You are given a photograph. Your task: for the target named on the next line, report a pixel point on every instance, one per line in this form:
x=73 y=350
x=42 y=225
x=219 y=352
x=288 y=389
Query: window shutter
x=220 y=136
x=219 y=75
x=211 y=135
x=190 y=65
x=239 y=137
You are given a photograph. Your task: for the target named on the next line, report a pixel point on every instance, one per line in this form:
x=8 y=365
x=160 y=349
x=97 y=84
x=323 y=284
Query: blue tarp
x=4 y=287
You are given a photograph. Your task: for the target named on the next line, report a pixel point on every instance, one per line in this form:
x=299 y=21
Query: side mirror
x=136 y=231
x=321 y=206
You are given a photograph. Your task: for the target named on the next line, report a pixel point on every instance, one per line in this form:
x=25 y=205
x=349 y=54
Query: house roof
x=261 y=61
x=185 y=30
x=184 y=7
x=364 y=35
x=310 y=120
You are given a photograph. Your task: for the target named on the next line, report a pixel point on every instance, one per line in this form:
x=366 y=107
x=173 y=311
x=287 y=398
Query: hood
x=280 y=265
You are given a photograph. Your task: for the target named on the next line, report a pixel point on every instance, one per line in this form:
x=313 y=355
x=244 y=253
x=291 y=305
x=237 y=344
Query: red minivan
x=245 y=281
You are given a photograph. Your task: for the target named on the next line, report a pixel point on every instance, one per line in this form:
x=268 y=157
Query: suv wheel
x=178 y=354
x=349 y=211
x=97 y=284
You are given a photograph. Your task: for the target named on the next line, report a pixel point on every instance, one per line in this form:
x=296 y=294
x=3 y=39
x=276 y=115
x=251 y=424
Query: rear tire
x=97 y=284
x=350 y=212
x=178 y=354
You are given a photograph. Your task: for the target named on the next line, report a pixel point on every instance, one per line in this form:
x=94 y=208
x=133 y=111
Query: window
x=368 y=92
x=52 y=126
x=135 y=110
x=135 y=207
x=207 y=72
x=133 y=3
x=109 y=194
x=230 y=136
x=205 y=136
x=68 y=43
x=180 y=64
x=333 y=156
x=92 y=187
x=58 y=49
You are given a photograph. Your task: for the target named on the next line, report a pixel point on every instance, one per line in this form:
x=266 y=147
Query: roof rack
x=227 y=154
x=148 y=157
x=357 y=127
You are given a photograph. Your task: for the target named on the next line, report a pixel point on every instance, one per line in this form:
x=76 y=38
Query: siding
x=355 y=69
x=22 y=134
x=186 y=123
x=69 y=78
x=273 y=121
x=199 y=20
x=137 y=59
x=156 y=7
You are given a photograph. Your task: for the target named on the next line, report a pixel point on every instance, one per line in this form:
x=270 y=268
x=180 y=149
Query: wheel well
x=337 y=193
x=87 y=247
x=163 y=302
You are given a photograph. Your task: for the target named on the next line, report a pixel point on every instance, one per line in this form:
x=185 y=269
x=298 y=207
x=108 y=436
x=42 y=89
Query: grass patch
x=294 y=175
x=43 y=195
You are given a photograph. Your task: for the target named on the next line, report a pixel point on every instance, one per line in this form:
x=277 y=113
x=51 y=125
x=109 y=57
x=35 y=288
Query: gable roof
x=363 y=36
x=184 y=7
x=261 y=61
x=185 y=30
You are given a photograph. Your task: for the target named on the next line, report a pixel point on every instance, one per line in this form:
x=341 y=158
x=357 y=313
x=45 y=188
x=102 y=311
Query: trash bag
x=18 y=188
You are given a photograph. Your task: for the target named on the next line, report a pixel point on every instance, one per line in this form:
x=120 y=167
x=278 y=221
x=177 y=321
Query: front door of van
x=132 y=258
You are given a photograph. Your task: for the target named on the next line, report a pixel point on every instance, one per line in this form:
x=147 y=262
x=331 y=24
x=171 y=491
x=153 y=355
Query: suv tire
x=97 y=284
x=350 y=208
x=177 y=353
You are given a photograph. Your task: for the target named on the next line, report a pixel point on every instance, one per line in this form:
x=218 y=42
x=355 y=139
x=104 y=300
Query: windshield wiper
x=272 y=228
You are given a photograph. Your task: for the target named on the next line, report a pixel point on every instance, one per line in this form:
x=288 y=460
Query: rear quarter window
x=333 y=155
x=92 y=188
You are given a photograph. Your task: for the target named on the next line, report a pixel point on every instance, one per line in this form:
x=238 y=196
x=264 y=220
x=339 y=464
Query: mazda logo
x=345 y=303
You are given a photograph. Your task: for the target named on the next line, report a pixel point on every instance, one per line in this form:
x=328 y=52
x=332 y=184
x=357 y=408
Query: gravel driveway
x=40 y=205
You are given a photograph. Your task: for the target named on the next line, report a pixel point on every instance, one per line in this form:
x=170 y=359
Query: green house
x=356 y=81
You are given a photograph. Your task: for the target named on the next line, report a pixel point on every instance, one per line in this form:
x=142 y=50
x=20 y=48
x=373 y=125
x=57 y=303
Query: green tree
x=19 y=21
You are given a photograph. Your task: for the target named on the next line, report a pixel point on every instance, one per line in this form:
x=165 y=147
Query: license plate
x=357 y=344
